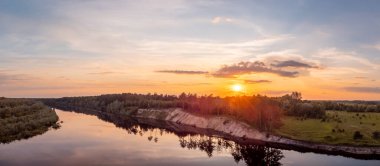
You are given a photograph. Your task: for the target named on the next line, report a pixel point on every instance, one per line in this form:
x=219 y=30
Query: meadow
x=337 y=128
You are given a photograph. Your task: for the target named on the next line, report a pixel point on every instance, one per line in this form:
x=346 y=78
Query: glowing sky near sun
x=325 y=49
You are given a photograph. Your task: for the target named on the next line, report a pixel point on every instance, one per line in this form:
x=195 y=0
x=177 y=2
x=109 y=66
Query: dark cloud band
x=249 y=68
x=256 y=81
x=293 y=63
x=182 y=72
x=363 y=89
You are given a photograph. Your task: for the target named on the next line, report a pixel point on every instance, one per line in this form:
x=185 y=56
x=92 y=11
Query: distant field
x=337 y=128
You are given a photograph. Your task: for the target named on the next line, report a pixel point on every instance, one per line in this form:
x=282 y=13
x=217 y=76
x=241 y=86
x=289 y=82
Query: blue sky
x=63 y=48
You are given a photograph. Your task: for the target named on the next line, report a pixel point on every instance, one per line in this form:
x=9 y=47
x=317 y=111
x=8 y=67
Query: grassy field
x=337 y=128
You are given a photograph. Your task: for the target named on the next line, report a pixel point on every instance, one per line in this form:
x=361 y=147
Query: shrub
x=357 y=135
x=328 y=138
x=376 y=135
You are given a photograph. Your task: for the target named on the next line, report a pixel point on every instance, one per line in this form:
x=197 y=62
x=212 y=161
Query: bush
x=328 y=138
x=376 y=135
x=357 y=135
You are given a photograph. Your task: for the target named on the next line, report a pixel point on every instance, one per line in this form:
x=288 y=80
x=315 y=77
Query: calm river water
x=87 y=140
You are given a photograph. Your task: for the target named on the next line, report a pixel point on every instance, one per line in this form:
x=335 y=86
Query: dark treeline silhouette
x=260 y=111
x=21 y=119
x=293 y=105
x=352 y=106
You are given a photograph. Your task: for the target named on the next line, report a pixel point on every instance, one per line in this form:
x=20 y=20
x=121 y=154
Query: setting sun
x=207 y=82
x=237 y=88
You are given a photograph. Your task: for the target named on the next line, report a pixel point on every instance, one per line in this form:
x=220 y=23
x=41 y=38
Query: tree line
x=293 y=105
x=260 y=111
x=22 y=118
x=352 y=106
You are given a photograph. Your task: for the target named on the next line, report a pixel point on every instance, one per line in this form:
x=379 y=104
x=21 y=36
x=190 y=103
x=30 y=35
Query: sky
x=325 y=49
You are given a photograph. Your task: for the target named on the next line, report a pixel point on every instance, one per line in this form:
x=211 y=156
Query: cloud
x=363 y=89
x=182 y=71
x=360 y=77
x=276 y=92
x=282 y=67
x=214 y=48
x=293 y=63
x=105 y=73
x=345 y=57
x=256 y=81
x=218 y=20
x=375 y=46
x=6 y=77
x=240 y=23
x=249 y=68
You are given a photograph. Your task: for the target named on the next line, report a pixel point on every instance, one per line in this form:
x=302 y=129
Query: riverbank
x=244 y=132
x=23 y=118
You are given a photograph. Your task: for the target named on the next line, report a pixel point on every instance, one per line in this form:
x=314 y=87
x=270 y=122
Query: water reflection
x=86 y=140
x=252 y=155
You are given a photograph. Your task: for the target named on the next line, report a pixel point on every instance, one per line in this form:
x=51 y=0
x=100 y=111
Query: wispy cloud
x=377 y=46
x=247 y=67
x=345 y=57
x=256 y=81
x=7 y=77
x=208 y=47
x=238 y=22
x=182 y=72
x=374 y=46
x=218 y=20
x=105 y=73
x=276 y=92
x=293 y=63
x=361 y=77
x=363 y=89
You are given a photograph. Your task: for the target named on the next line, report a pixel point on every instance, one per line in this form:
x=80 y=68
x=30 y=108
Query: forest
x=352 y=106
x=24 y=118
x=263 y=112
x=260 y=111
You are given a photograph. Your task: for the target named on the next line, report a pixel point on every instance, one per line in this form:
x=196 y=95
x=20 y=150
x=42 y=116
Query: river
x=92 y=140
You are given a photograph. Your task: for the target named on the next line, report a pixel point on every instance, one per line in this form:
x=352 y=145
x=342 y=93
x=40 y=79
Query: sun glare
x=237 y=88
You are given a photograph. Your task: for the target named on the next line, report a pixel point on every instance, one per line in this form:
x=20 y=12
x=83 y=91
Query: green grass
x=314 y=130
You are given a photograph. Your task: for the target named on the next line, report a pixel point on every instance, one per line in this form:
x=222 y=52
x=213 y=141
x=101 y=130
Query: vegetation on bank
x=22 y=118
x=260 y=111
x=287 y=115
x=352 y=106
x=293 y=105
x=338 y=127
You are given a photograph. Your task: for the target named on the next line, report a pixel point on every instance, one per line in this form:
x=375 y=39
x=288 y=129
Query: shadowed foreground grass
x=337 y=128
